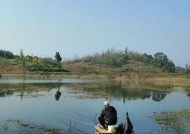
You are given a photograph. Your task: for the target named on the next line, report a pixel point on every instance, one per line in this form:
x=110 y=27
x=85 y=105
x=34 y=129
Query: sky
x=77 y=28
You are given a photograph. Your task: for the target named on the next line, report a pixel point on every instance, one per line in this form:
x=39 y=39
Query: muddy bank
x=174 y=121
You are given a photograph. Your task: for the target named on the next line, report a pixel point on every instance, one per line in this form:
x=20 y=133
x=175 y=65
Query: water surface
x=73 y=105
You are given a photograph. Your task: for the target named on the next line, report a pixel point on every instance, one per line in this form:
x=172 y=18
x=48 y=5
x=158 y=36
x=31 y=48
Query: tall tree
x=148 y=59
x=170 y=67
x=21 y=55
x=160 y=59
x=126 y=50
x=58 y=57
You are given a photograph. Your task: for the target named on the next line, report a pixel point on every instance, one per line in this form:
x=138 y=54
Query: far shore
x=145 y=81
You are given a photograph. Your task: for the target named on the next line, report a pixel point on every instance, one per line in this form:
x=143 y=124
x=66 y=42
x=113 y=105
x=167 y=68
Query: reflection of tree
x=158 y=96
x=57 y=95
x=21 y=95
x=24 y=89
x=118 y=91
x=115 y=90
x=2 y=93
x=188 y=94
x=5 y=93
x=110 y=89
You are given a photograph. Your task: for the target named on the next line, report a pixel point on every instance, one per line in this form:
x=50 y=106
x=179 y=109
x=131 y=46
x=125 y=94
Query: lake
x=73 y=105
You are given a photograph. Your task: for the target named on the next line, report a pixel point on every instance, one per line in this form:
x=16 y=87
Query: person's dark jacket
x=110 y=115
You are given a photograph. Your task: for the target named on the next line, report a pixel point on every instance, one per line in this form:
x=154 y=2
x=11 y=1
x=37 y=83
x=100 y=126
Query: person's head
x=106 y=103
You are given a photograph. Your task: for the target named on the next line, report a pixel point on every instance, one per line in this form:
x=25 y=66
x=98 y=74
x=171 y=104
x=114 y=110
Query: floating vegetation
x=18 y=126
x=174 y=121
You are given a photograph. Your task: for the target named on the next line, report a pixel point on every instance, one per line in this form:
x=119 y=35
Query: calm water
x=74 y=105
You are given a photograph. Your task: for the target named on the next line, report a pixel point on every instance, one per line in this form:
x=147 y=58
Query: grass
x=174 y=121
x=146 y=75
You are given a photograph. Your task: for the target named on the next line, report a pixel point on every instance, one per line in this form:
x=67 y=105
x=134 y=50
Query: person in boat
x=108 y=115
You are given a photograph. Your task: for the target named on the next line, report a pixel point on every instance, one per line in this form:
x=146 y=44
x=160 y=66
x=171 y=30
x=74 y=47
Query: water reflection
x=71 y=99
x=158 y=96
x=84 y=90
x=24 y=89
x=57 y=95
x=4 y=93
x=118 y=91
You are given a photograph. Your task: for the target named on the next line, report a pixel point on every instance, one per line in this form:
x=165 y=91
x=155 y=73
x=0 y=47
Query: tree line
x=33 y=63
x=9 y=55
x=118 y=58
x=111 y=57
x=6 y=54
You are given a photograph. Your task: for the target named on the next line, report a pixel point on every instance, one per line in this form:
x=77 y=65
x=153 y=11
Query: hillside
x=15 y=66
x=89 y=68
x=111 y=63
x=36 y=65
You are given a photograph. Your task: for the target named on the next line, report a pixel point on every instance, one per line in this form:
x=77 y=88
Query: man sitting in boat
x=108 y=115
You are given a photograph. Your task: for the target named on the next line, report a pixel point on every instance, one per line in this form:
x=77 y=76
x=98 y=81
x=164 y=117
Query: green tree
x=160 y=59
x=28 y=58
x=21 y=55
x=148 y=59
x=36 y=59
x=135 y=56
x=6 y=54
x=170 y=67
x=58 y=57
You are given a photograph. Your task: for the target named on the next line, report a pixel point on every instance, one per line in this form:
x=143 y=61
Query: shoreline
x=156 y=80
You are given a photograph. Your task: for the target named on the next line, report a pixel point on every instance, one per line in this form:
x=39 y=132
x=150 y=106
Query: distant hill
x=132 y=68
x=130 y=61
x=111 y=62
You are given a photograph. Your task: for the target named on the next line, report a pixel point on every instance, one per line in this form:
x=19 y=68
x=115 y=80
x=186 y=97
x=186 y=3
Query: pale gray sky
x=85 y=27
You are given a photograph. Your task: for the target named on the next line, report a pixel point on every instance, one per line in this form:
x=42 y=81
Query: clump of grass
x=178 y=121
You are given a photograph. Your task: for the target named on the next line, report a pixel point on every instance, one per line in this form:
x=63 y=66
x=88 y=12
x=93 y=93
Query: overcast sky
x=84 y=27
